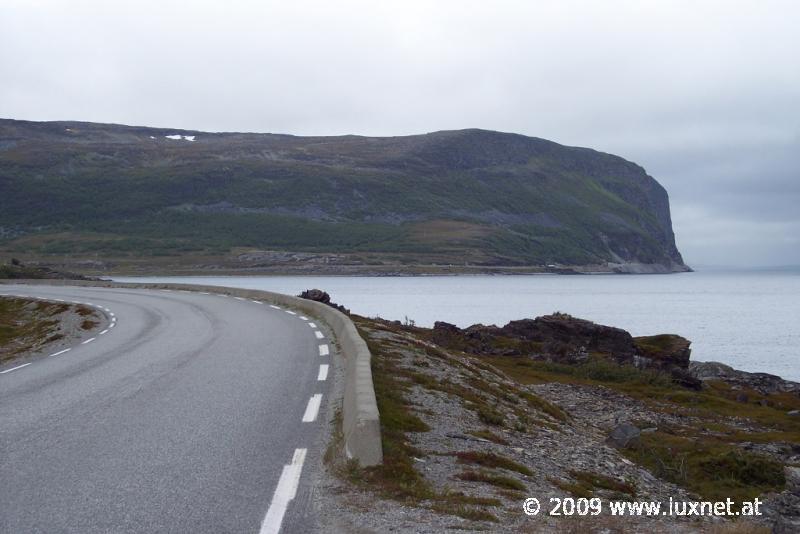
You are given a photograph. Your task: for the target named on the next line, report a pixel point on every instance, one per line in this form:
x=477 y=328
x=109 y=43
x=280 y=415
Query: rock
x=665 y=350
x=764 y=383
x=711 y=370
x=318 y=295
x=624 y=436
x=562 y=338
x=684 y=378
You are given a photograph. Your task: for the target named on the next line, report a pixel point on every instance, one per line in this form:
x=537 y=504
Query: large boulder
x=318 y=295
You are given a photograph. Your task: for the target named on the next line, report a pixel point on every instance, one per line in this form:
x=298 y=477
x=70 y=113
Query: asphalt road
x=194 y=413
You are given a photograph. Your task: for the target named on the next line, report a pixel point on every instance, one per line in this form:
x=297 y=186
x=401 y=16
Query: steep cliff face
x=460 y=197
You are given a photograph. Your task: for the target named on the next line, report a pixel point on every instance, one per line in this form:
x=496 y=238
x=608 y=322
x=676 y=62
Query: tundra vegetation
x=470 y=432
x=29 y=325
x=100 y=195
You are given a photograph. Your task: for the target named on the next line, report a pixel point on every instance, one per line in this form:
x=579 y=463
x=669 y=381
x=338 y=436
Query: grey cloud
x=703 y=94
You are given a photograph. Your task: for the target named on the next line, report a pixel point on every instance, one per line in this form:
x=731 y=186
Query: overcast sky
x=704 y=94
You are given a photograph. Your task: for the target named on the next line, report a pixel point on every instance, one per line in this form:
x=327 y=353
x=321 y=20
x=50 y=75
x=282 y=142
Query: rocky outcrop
x=763 y=383
x=562 y=338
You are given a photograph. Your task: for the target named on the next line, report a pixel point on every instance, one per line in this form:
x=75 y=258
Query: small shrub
x=490 y=459
x=490 y=416
x=493 y=480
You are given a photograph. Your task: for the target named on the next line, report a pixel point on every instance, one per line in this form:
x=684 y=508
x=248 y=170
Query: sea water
x=747 y=319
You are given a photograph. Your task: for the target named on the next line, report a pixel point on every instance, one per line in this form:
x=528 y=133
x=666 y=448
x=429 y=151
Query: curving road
x=195 y=413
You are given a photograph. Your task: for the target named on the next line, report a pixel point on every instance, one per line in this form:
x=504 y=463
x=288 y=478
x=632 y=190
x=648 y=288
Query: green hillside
x=476 y=197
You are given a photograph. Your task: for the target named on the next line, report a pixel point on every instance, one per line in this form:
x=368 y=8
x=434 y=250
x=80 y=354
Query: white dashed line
x=256 y=302
x=304 y=318
x=88 y=340
x=290 y=312
x=203 y=293
x=312 y=325
x=104 y=332
x=59 y=353
x=284 y=493
x=274 y=307
x=323 y=350
x=313 y=408
x=15 y=368
x=239 y=298
x=318 y=334
x=167 y=290
x=323 y=372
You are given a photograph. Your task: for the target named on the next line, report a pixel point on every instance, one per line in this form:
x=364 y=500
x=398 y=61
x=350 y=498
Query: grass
x=459 y=510
x=704 y=456
x=398 y=478
x=490 y=416
x=586 y=483
x=493 y=460
x=148 y=201
x=596 y=370
x=707 y=466
x=535 y=401
x=499 y=481
x=26 y=325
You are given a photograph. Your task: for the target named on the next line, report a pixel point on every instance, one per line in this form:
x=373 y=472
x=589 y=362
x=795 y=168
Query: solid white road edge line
x=318 y=334
x=323 y=350
x=15 y=368
x=284 y=493
x=323 y=372
x=313 y=408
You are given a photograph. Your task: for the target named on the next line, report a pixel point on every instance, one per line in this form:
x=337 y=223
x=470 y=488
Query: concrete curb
x=361 y=422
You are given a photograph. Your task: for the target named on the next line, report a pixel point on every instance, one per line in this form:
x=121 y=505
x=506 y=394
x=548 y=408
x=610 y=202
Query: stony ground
x=486 y=443
x=30 y=327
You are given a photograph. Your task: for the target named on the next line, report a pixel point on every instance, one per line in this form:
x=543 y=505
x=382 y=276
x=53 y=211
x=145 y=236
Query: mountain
x=465 y=198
